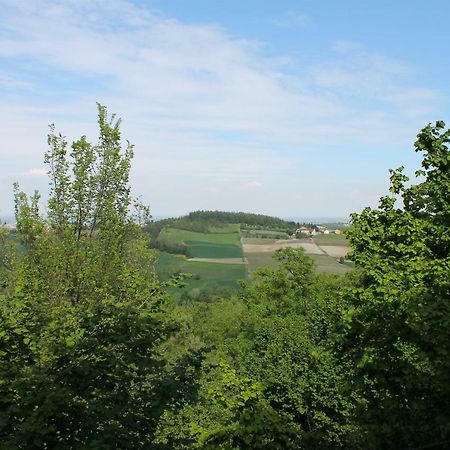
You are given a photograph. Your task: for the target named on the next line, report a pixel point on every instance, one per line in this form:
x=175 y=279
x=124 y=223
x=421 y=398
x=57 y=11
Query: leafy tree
x=271 y=379
x=80 y=317
x=397 y=329
x=362 y=361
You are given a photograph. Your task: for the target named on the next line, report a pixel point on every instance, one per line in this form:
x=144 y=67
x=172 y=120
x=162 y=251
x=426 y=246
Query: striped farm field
x=323 y=263
x=206 y=245
x=323 y=249
x=204 y=275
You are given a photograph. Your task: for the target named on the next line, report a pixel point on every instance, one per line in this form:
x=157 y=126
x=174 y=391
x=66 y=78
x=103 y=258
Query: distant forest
x=257 y=220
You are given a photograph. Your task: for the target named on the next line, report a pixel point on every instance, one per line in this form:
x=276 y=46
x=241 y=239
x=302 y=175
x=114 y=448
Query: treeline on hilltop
x=95 y=354
x=250 y=219
x=203 y=221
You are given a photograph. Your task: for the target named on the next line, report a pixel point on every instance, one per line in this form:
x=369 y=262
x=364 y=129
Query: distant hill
x=206 y=221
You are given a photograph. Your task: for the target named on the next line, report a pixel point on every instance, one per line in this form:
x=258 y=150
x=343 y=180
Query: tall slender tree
x=80 y=314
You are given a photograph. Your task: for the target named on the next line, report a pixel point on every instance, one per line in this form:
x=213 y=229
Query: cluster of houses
x=313 y=230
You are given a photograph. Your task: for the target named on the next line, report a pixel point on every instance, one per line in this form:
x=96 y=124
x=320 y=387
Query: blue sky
x=291 y=108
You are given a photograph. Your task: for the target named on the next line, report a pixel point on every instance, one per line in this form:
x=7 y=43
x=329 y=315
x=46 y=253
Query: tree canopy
x=80 y=312
x=397 y=329
x=95 y=354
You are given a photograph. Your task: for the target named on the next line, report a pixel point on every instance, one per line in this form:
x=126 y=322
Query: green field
x=324 y=263
x=207 y=245
x=224 y=242
x=258 y=260
x=331 y=239
x=262 y=241
x=206 y=276
x=274 y=234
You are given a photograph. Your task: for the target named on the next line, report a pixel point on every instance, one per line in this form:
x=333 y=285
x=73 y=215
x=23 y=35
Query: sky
x=288 y=108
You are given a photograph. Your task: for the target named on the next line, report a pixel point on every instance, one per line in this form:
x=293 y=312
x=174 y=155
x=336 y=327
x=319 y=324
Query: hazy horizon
x=301 y=219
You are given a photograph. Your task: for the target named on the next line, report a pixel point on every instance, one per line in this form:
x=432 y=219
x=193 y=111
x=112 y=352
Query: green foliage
x=78 y=377
x=269 y=382
x=398 y=327
x=87 y=235
x=316 y=361
x=80 y=317
x=167 y=246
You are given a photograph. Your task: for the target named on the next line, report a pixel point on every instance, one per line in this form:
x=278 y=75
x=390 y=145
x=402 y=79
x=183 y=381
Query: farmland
x=334 y=245
x=331 y=239
x=258 y=260
x=215 y=259
x=259 y=252
x=219 y=243
x=328 y=264
x=217 y=255
x=205 y=276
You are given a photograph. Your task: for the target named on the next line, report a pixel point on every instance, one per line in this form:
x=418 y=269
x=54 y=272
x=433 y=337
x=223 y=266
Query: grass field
x=258 y=260
x=206 y=276
x=258 y=241
x=207 y=245
x=265 y=234
x=325 y=263
x=331 y=239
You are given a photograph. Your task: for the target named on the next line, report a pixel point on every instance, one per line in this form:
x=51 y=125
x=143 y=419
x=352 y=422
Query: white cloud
x=197 y=101
x=252 y=185
x=361 y=73
x=10 y=82
x=36 y=172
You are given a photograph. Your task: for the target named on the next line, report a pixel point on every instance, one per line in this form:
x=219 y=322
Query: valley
x=219 y=256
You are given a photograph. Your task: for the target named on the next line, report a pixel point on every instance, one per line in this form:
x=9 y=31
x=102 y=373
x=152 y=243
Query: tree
x=271 y=379
x=81 y=310
x=397 y=329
